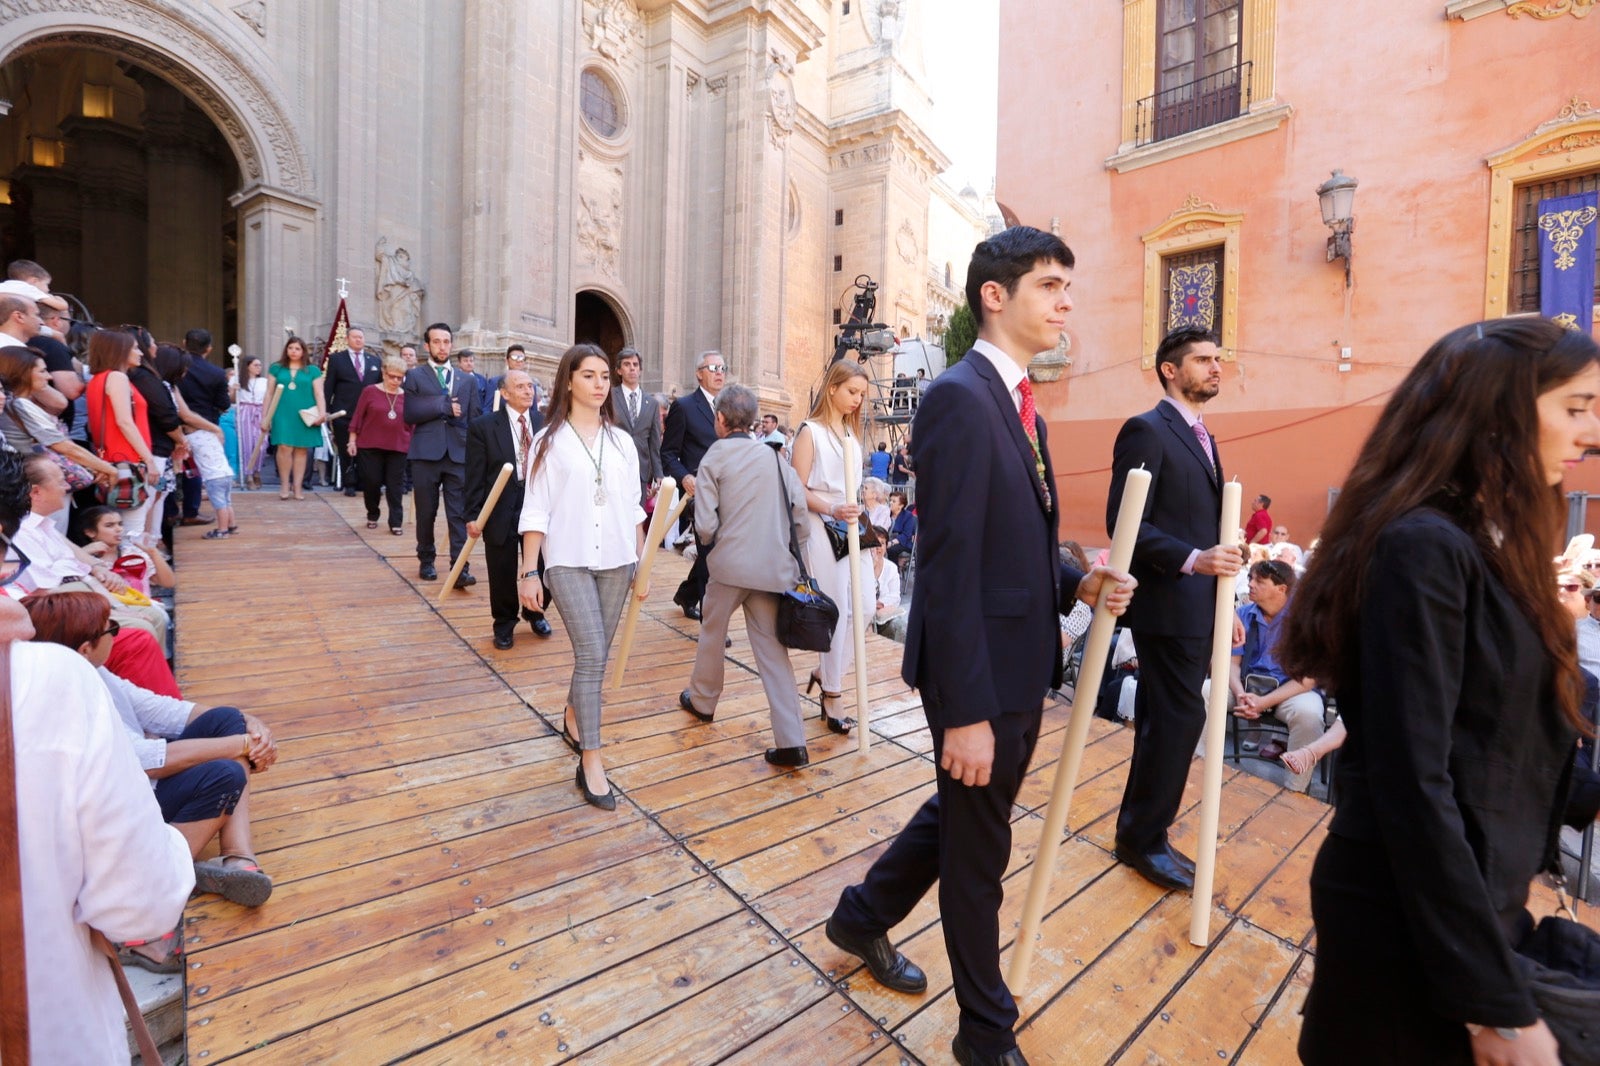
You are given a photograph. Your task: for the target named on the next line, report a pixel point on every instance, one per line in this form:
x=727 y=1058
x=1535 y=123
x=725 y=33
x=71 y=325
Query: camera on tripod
x=860 y=334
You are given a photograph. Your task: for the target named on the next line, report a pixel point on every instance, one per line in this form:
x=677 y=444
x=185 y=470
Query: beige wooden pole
x=266 y=427
x=483 y=516
x=1205 y=856
x=858 y=623
x=664 y=514
x=1095 y=649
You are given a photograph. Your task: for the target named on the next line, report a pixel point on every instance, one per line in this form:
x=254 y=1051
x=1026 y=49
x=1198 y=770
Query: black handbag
x=807 y=616
x=839 y=536
x=1561 y=961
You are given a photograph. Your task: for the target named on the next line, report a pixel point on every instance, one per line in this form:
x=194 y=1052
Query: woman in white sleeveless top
x=819 y=460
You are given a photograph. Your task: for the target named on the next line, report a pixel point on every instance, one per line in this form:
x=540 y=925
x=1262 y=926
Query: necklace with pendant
x=599 y=487
x=392 y=401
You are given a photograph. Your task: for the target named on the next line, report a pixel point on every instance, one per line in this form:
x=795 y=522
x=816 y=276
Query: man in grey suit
x=636 y=411
x=739 y=508
x=440 y=402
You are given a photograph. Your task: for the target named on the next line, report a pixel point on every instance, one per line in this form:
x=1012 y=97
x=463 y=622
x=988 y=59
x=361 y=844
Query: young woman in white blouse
x=582 y=509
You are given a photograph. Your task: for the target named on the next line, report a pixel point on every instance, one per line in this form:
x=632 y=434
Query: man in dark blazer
x=637 y=412
x=1177 y=560
x=349 y=372
x=205 y=389
x=504 y=436
x=691 y=429
x=982 y=642
x=439 y=403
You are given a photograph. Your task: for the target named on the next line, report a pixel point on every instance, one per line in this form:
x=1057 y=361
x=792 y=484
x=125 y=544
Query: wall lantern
x=1337 y=196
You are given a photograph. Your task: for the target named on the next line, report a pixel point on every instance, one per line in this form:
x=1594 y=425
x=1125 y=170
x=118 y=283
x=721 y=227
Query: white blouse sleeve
x=535 y=516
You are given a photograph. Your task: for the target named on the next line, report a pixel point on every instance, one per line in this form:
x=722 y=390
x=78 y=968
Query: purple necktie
x=1204 y=438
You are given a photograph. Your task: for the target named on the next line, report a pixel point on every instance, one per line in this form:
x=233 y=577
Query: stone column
x=110 y=166
x=277 y=238
x=185 y=203
x=55 y=212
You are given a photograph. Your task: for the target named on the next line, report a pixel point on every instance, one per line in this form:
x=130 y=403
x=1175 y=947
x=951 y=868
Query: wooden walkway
x=444 y=895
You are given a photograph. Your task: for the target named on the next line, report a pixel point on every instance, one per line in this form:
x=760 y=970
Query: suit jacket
x=205 y=388
x=437 y=434
x=489 y=446
x=739 y=509
x=982 y=637
x=691 y=429
x=1182 y=512
x=343 y=385
x=646 y=430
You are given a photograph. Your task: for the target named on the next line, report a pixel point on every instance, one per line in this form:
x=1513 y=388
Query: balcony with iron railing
x=1194 y=105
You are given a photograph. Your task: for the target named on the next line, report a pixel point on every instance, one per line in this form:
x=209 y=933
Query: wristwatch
x=1499 y=1030
x=530 y=573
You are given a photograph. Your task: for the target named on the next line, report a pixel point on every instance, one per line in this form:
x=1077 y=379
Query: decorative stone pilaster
x=278 y=231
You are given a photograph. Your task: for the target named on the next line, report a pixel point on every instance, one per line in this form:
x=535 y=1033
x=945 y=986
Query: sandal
x=217 y=534
x=245 y=884
x=842 y=726
x=232 y=530
x=171 y=962
x=396 y=530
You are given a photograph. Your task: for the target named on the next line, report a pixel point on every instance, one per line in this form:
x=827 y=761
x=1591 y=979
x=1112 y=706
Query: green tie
x=444 y=382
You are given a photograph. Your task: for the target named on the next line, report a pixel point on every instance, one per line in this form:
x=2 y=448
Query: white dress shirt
x=1011 y=374
x=560 y=500
x=517 y=422
x=50 y=557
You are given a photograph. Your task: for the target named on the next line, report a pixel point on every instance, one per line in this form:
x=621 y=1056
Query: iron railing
x=1204 y=102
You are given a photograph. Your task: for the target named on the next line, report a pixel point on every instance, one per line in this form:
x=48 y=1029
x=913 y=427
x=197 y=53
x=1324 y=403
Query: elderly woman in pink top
x=380 y=423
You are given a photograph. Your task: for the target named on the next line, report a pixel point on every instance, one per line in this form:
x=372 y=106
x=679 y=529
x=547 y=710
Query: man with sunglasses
x=691 y=429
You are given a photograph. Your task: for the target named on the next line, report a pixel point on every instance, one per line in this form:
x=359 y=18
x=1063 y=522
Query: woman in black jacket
x=1431 y=607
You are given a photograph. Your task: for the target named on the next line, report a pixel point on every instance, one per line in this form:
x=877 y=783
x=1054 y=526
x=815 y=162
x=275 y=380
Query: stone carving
x=691 y=79
x=1192 y=203
x=254 y=13
x=781 y=107
x=599 y=227
x=612 y=26
x=190 y=31
x=718 y=85
x=399 y=291
x=1551 y=9
x=905 y=242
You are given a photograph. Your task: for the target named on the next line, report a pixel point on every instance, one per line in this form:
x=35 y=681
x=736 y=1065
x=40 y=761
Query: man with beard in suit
x=349 y=372
x=439 y=404
x=504 y=436
x=636 y=411
x=691 y=429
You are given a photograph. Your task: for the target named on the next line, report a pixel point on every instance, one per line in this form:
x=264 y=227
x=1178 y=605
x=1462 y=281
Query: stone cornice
x=1466 y=10
x=897 y=123
x=1264 y=120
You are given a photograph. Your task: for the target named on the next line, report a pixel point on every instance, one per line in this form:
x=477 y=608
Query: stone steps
x=161 y=1001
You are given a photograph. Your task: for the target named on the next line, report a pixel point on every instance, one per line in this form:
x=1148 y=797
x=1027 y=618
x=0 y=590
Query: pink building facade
x=1177 y=146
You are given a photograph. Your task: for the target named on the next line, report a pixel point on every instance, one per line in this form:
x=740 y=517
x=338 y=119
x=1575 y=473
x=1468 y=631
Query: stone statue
x=399 y=291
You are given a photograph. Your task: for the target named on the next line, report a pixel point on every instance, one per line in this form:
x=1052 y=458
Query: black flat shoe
x=466 y=580
x=606 y=801
x=888 y=967
x=1157 y=867
x=692 y=612
x=968 y=1057
x=688 y=704
x=788 y=756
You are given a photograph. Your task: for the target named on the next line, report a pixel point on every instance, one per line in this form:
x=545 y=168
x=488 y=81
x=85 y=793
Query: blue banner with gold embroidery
x=1192 y=299
x=1567 y=226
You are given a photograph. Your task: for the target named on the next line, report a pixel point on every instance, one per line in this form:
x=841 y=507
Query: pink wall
x=1393 y=94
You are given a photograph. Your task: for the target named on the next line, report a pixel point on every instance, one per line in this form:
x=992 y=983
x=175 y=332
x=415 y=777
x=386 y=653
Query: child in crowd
x=99 y=531
x=217 y=477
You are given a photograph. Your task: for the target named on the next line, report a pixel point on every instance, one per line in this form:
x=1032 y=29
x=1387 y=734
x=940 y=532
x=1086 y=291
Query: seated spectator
x=93 y=852
x=1254 y=553
x=1589 y=630
x=199 y=759
x=875 y=502
x=100 y=532
x=1295 y=701
x=1284 y=550
x=902 y=541
x=1573 y=587
x=55 y=561
x=26 y=426
x=883 y=581
x=1303 y=760
x=1074 y=623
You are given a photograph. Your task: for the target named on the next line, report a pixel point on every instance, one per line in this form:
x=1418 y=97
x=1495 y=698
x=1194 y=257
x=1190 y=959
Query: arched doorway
x=595 y=321
x=117 y=183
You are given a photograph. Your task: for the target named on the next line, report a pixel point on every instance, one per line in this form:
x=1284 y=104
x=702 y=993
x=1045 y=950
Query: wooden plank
x=1274 y=1042
x=825 y=1032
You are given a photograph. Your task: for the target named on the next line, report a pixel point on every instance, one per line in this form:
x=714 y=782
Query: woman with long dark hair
x=248 y=394
x=1430 y=610
x=301 y=382
x=119 y=416
x=819 y=458
x=582 y=510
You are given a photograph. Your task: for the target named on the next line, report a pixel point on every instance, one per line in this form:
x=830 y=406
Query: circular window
x=598 y=102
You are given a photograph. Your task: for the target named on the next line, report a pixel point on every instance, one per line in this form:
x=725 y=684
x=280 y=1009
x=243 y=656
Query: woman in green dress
x=301 y=384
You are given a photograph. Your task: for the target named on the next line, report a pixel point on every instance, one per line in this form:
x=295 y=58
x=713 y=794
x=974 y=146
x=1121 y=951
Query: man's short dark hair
x=196 y=341
x=16 y=497
x=1274 y=570
x=630 y=352
x=1175 y=345
x=737 y=405
x=1266 y=501
x=1008 y=255
x=437 y=325
x=516 y=348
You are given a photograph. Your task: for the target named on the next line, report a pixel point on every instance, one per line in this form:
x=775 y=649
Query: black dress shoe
x=1158 y=868
x=466 y=580
x=427 y=573
x=350 y=492
x=504 y=643
x=968 y=1057
x=788 y=756
x=688 y=704
x=890 y=968
x=692 y=612
x=540 y=627
x=606 y=801
x=1180 y=858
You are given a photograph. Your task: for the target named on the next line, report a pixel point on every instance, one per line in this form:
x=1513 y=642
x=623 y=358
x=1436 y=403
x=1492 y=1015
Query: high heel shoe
x=815 y=680
x=606 y=801
x=842 y=726
x=566 y=735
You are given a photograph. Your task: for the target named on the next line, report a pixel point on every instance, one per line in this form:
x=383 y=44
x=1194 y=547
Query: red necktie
x=1030 y=416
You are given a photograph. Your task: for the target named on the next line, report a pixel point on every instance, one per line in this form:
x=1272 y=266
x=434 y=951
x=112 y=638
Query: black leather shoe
x=1158 y=868
x=688 y=704
x=504 y=643
x=968 y=1057
x=1180 y=858
x=890 y=968
x=466 y=580
x=606 y=801
x=788 y=756
x=427 y=573
x=350 y=492
x=692 y=612
x=540 y=627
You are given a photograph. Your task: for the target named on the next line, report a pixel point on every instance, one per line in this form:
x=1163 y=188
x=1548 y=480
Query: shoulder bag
x=131 y=486
x=807 y=616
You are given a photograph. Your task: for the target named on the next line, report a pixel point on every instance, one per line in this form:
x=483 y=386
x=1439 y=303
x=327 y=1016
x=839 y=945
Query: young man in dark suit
x=637 y=412
x=986 y=555
x=1177 y=560
x=505 y=436
x=691 y=429
x=439 y=403
x=349 y=372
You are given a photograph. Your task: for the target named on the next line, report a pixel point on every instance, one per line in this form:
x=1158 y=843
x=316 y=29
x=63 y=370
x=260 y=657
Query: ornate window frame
x=1257 y=46
x=1195 y=224
x=1569 y=144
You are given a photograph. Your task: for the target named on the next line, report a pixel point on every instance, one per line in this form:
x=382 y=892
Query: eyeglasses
x=1592 y=566
x=111 y=630
x=716 y=368
x=1574 y=587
